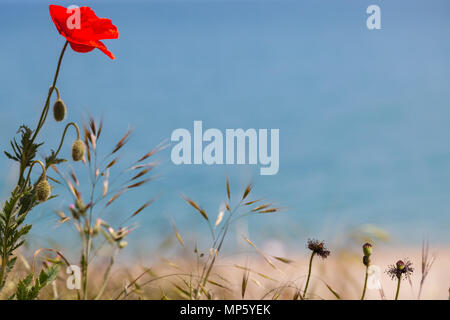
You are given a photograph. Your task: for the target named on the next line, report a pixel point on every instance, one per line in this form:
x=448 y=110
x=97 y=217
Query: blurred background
x=363 y=115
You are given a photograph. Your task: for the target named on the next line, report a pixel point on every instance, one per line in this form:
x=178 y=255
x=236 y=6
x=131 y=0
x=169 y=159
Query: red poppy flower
x=83 y=29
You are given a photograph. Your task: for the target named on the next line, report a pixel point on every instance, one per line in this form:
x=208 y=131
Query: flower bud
x=122 y=244
x=59 y=110
x=367 y=249
x=400 y=265
x=77 y=150
x=43 y=190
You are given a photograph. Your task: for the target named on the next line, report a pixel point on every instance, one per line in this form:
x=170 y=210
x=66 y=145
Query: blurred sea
x=363 y=115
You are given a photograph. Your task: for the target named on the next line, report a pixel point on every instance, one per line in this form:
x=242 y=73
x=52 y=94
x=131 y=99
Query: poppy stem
x=52 y=88
x=64 y=135
x=43 y=117
x=44 y=170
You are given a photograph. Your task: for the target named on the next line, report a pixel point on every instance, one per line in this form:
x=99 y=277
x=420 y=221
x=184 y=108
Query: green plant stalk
x=107 y=273
x=83 y=265
x=398 y=288
x=222 y=234
x=5 y=254
x=23 y=165
x=309 y=274
x=44 y=170
x=88 y=239
x=73 y=124
x=365 y=283
x=45 y=110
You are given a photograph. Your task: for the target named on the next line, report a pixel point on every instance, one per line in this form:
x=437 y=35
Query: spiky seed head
x=366 y=261
x=59 y=110
x=77 y=150
x=367 y=249
x=43 y=190
x=401 y=268
x=318 y=247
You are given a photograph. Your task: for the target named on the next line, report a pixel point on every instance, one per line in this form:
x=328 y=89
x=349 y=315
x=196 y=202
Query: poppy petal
x=90 y=30
x=81 y=47
x=103 y=49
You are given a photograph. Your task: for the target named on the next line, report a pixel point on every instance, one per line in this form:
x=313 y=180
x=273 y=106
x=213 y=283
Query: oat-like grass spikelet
x=228 y=189
x=244 y=283
x=140 y=183
x=144 y=206
x=247 y=191
x=114 y=197
x=220 y=216
x=196 y=207
x=162 y=146
x=122 y=141
x=177 y=234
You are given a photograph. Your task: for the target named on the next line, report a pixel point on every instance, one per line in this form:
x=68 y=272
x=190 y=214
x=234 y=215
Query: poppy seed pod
x=367 y=249
x=59 y=110
x=77 y=150
x=43 y=190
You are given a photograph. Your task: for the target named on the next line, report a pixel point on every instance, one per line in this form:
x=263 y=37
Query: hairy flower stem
x=44 y=170
x=6 y=234
x=365 y=283
x=44 y=111
x=309 y=274
x=398 y=288
x=64 y=135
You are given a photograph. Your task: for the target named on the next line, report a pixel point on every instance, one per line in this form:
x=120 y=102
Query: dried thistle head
x=318 y=247
x=401 y=268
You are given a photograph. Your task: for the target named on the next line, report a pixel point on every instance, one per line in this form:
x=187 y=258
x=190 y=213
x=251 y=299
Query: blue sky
x=363 y=115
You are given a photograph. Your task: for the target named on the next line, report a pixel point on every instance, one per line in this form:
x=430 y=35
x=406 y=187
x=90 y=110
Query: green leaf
x=333 y=292
x=27 y=291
